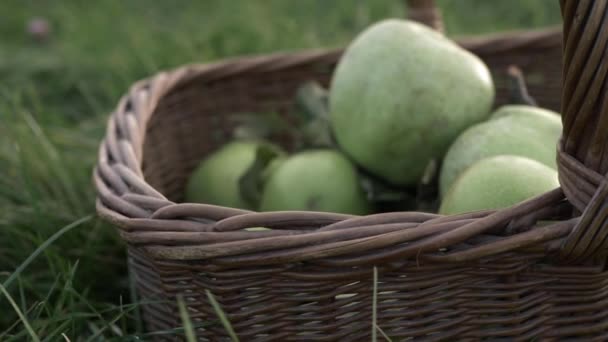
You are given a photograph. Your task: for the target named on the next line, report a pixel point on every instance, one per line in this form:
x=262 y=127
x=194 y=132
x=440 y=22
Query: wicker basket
x=492 y=275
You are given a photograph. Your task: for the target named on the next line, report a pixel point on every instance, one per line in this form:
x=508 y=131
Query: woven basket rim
x=178 y=231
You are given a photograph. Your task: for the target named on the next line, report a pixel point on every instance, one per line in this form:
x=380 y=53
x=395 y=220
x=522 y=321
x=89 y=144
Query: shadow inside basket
x=199 y=116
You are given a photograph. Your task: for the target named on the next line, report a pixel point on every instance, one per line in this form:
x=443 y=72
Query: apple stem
x=518 y=89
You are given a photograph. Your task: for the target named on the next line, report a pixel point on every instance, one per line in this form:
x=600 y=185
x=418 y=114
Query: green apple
x=517 y=130
x=399 y=96
x=315 y=180
x=498 y=182
x=217 y=178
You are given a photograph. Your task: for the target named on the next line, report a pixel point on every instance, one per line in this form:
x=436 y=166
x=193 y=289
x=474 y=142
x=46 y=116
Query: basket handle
x=425 y=12
x=583 y=147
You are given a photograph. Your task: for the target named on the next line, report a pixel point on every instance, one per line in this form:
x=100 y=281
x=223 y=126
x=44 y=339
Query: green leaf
x=379 y=191
x=251 y=182
x=318 y=134
x=312 y=101
x=259 y=125
x=312 y=109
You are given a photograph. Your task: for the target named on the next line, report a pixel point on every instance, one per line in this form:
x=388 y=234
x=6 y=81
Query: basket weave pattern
x=484 y=275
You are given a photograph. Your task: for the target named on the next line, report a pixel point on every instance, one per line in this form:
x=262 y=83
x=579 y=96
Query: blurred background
x=63 y=67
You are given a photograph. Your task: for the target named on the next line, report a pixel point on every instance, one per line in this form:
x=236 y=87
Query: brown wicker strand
x=584 y=121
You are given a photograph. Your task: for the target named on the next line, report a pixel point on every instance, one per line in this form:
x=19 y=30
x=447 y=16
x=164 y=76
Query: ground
x=55 y=98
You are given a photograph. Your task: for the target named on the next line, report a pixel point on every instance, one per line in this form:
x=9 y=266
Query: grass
x=222 y=316
x=54 y=100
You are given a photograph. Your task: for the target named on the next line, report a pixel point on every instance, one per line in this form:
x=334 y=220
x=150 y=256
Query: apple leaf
x=312 y=101
x=251 y=182
x=317 y=133
x=386 y=197
x=258 y=125
x=312 y=109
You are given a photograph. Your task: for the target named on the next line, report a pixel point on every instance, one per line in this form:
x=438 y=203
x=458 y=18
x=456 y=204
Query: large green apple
x=514 y=129
x=216 y=180
x=315 y=180
x=401 y=93
x=498 y=182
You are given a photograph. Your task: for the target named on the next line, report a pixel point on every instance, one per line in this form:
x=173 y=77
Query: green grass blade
x=66 y=294
x=54 y=161
x=375 y=306
x=27 y=325
x=190 y=335
x=375 y=327
x=12 y=326
x=18 y=337
x=58 y=331
x=22 y=296
x=384 y=334
x=42 y=247
x=139 y=323
x=169 y=332
x=222 y=316
x=111 y=325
